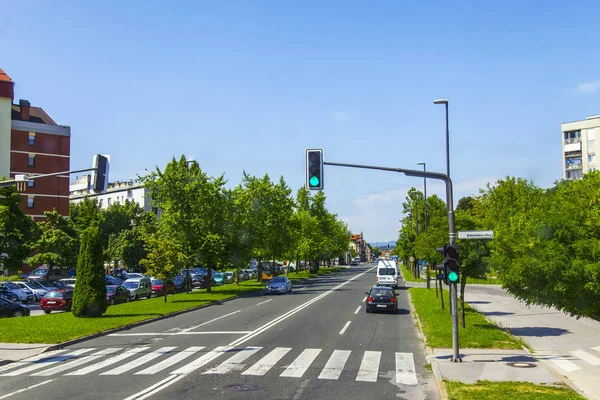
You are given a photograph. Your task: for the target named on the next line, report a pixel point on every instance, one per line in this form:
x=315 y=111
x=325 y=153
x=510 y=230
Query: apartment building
x=31 y=143
x=579 y=146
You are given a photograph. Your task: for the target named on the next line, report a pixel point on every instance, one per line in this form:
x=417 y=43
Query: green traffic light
x=453 y=277
x=314 y=181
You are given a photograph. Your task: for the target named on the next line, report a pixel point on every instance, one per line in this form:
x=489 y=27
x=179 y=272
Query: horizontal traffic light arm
x=30 y=178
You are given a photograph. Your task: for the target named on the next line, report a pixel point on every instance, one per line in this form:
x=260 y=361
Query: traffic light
x=451 y=264
x=99 y=179
x=314 y=169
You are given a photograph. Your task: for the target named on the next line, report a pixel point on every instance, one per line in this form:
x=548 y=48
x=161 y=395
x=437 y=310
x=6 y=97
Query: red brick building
x=38 y=145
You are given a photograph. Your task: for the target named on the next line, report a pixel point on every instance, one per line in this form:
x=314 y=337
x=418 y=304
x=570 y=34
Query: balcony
x=575 y=146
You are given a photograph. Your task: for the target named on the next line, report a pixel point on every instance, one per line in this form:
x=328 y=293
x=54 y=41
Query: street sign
x=412 y=259
x=420 y=263
x=475 y=234
x=440 y=276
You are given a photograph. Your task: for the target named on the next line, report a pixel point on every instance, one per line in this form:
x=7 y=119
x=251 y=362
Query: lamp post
x=445 y=102
x=425 y=212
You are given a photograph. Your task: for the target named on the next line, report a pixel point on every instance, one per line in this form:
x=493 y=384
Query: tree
x=16 y=230
x=85 y=214
x=89 y=297
x=129 y=245
x=58 y=243
x=376 y=251
x=164 y=261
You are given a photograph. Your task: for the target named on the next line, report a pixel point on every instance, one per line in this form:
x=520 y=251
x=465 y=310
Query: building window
x=591 y=134
x=591 y=158
x=100 y=202
x=32 y=160
x=32 y=138
x=109 y=201
x=572 y=136
x=30 y=202
x=31 y=183
x=592 y=145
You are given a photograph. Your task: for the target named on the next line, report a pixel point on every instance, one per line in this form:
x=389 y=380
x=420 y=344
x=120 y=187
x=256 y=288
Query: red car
x=157 y=287
x=117 y=294
x=56 y=300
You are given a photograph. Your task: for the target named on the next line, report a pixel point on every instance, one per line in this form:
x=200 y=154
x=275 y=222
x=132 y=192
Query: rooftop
x=36 y=114
x=4 y=77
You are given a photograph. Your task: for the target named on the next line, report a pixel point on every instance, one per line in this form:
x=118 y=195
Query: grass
x=299 y=275
x=408 y=276
x=507 y=391
x=437 y=325
x=489 y=280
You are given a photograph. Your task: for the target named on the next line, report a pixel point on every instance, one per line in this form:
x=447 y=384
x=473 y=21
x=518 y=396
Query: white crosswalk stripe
x=267 y=362
x=199 y=362
x=180 y=356
x=234 y=362
x=299 y=366
x=40 y=365
x=335 y=364
x=77 y=362
x=587 y=357
x=109 y=361
x=369 y=367
x=140 y=361
x=561 y=362
x=405 y=369
x=30 y=360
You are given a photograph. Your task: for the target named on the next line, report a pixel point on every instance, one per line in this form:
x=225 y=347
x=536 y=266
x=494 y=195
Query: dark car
x=7 y=294
x=116 y=294
x=199 y=281
x=382 y=298
x=111 y=280
x=12 y=309
x=56 y=300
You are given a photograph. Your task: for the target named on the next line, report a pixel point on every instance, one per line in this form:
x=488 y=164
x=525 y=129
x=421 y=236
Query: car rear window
x=387 y=271
x=54 y=295
x=381 y=292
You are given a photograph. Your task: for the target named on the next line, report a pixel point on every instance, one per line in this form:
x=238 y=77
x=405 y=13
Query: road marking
x=29 y=360
x=405 y=369
x=216 y=333
x=345 y=327
x=263 y=302
x=157 y=387
x=199 y=362
x=267 y=362
x=109 y=361
x=140 y=361
x=299 y=366
x=335 y=364
x=182 y=355
x=562 y=362
x=234 y=362
x=369 y=367
x=25 y=389
x=365 y=299
x=357 y=309
x=587 y=357
x=40 y=365
x=597 y=348
x=208 y=322
x=75 y=363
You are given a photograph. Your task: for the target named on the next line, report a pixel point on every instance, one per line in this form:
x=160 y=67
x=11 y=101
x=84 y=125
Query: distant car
x=131 y=275
x=50 y=274
x=158 y=285
x=218 y=278
x=228 y=277
x=117 y=294
x=56 y=300
x=111 y=280
x=24 y=295
x=381 y=298
x=178 y=281
x=38 y=290
x=69 y=282
x=139 y=287
x=278 y=284
x=7 y=294
x=12 y=309
x=47 y=285
x=387 y=274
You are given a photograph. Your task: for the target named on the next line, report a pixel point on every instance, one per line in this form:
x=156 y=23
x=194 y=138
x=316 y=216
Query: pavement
x=316 y=342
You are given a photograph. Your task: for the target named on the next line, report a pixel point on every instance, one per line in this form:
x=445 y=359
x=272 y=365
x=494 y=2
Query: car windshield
x=156 y=282
x=53 y=295
x=34 y=285
x=217 y=275
x=111 y=289
x=11 y=285
x=131 y=285
x=42 y=271
x=278 y=279
x=387 y=271
x=381 y=292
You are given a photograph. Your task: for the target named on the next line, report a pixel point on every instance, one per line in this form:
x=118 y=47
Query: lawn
x=489 y=280
x=60 y=327
x=507 y=391
x=437 y=324
x=305 y=274
x=408 y=276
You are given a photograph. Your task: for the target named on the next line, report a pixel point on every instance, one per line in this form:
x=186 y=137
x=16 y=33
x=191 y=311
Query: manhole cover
x=244 y=387
x=521 y=365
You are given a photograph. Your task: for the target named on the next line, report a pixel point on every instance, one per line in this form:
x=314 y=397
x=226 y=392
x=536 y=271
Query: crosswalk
x=573 y=360
x=285 y=362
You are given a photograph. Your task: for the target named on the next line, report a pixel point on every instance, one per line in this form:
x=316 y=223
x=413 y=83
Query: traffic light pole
x=11 y=182
x=451 y=233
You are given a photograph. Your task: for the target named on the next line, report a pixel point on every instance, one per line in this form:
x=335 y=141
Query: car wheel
x=136 y=297
x=17 y=313
x=367 y=310
x=112 y=301
x=127 y=299
x=47 y=311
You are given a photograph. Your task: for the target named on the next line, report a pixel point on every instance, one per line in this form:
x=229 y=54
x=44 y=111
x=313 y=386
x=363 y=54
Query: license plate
x=51 y=302
x=381 y=305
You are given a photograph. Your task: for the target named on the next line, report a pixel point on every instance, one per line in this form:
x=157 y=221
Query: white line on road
x=562 y=362
x=405 y=369
x=216 y=333
x=199 y=362
x=234 y=362
x=345 y=327
x=299 y=366
x=365 y=299
x=263 y=302
x=29 y=360
x=139 y=361
x=369 y=367
x=27 y=388
x=597 y=348
x=357 y=309
x=180 y=333
x=149 y=391
x=267 y=362
x=108 y=361
x=180 y=356
x=587 y=357
x=208 y=322
x=77 y=362
x=46 y=363
x=335 y=364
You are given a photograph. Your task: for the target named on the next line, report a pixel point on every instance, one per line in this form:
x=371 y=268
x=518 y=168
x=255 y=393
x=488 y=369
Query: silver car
x=24 y=295
x=37 y=289
x=278 y=284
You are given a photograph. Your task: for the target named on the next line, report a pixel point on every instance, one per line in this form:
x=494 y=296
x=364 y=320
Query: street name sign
x=475 y=234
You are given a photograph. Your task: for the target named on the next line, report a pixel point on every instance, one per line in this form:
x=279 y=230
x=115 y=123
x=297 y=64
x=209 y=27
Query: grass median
x=507 y=391
x=437 y=324
x=60 y=327
x=305 y=274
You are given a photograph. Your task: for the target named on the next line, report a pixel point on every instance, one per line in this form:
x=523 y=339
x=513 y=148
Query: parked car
x=68 y=282
x=250 y=273
x=131 y=275
x=7 y=294
x=24 y=295
x=111 y=280
x=11 y=309
x=199 y=281
x=56 y=300
x=139 y=287
x=47 y=285
x=178 y=282
x=381 y=298
x=158 y=285
x=117 y=294
x=50 y=274
x=38 y=290
x=228 y=277
x=278 y=284
x=218 y=278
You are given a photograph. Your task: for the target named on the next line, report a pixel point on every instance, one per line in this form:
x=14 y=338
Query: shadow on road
x=538 y=331
x=478 y=302
x=493 y=313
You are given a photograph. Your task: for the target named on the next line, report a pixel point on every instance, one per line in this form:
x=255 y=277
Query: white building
x=579 y=146
x=116 y=193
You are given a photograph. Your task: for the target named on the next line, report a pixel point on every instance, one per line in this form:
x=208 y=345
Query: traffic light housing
x=451 y=264
x=314 y=169
x=99 y=179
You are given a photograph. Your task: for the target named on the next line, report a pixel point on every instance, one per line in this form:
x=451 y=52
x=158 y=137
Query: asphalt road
x=314 y=343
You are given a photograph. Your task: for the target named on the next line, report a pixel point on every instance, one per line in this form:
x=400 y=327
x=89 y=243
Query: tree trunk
x=463 y=284
x=164 y=289
x=442 y=293
x=237 y=276
x=209 y=277
x=259 y=275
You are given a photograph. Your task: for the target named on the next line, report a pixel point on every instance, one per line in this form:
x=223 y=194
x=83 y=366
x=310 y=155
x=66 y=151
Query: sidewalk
x=17 y=351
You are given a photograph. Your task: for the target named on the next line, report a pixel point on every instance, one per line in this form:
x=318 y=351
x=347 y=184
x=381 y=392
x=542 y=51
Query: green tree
x=58 y=243
x=16 y=230
x=164 y=261
x=89 y=297
x=129 y=245
x=85 y=214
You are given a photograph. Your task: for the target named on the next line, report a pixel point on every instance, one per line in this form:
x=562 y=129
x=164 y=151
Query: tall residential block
x=579 y=146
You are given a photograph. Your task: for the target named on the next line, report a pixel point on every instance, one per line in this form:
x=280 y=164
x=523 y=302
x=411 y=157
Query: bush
x=89 y=297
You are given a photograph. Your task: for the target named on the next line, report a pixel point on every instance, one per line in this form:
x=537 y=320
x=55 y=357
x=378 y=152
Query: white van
x=138 y=287
x=387 y=274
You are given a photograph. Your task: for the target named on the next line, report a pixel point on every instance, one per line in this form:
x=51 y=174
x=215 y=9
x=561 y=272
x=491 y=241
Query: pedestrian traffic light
x=451 y=264
x=314 y=169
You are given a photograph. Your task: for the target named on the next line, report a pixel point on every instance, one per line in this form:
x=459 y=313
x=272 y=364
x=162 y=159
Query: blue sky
x=248 y=85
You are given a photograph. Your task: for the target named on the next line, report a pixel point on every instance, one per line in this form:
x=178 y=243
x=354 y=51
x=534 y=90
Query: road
x=314 y=343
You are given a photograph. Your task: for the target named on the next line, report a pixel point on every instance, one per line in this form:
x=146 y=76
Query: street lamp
x=425 y=209
x=445 y=101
